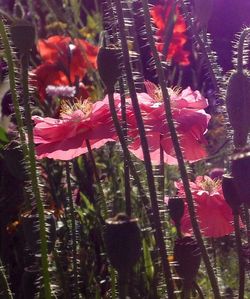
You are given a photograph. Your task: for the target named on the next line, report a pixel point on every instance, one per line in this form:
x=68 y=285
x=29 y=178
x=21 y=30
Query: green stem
x=178 y=152
x=126 y=164
x=247 y=219
x=149 y=171
x=241 y=47
x=33 y=175
x=4 y=286
x=240 y=256
x=13 y=88
x=73 y=230
x=98 y=181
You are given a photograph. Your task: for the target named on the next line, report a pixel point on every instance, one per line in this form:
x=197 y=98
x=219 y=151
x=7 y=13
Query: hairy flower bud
x=123 y=242
x=230 y=192
x=109 y=66
x=176 y=209
x=241 y=174
x=238 y=106
x=188 y=256
x=23 y=35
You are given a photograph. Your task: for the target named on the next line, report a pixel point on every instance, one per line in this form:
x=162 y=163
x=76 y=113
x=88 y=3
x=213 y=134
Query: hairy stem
x=240 y=51
x=4 y=286
x=240 y=256
x=149 y=171
x=33 y=175
x=178 y=153
x=73 y=230
x=11 y=73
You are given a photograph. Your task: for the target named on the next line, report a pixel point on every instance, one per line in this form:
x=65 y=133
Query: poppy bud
x=109 y=66
x=230 y=192
x=188 y=257
x=23 y=35
x=123 y=242
x=241 y=174
x=176 y=209
x=238 y=106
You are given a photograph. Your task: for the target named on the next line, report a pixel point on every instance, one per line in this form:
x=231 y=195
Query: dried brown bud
x=23 y=35
x=109 y=66
x=123 y=242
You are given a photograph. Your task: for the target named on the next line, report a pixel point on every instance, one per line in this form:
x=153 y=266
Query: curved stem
x=198 y=289
x=240 y=256
x=178 y=153
x=240 y=50
x=149 y=171
x=33 y=173
x=73 y=229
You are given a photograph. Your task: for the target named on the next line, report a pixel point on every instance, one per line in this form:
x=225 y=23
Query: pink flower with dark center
x=190 y=119
x=65 y=138
x=213 y=213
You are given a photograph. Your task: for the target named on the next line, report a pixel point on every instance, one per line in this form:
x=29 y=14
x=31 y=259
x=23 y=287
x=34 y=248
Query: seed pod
x=188 y=257
x=176 y=209
x=23 y=35
x=238 y=106
x=109 y=66
x=230 y=192
x=241 y=174
x=123 y=242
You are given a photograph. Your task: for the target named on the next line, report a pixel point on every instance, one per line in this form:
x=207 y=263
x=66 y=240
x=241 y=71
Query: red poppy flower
x=65 y=60
x=214 y=215
x=189 y=116
x=160 y=14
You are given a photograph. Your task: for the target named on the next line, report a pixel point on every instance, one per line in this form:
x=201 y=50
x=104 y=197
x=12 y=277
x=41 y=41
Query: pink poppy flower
x=191 y=124
x=214 y=215
x=65 y=138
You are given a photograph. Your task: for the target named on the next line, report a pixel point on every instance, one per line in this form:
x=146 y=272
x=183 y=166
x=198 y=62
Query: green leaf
x=147 y=260
x=3 y=136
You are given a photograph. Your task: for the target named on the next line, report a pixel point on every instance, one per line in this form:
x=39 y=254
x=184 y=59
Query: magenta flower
x=190 y=118
x=65 y=138
x=214 y=215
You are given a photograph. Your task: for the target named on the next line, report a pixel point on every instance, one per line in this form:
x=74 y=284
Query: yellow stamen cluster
x=173 y=91
x=68 y=107
x=211 y=185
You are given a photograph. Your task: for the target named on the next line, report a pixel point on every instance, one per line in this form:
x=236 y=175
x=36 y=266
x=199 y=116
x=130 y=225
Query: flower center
x=173 y=92
x=85 y=106
x=211 y=185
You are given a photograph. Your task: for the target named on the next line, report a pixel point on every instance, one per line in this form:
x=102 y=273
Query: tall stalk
x=178 y=152
x=149 y=171
x=240 y=256
x=33 y=173
x=12 y=79
x=73 y=230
